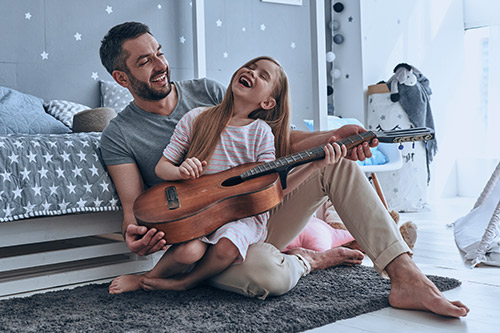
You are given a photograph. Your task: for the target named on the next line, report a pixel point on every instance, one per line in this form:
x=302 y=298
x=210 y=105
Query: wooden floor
x=437 y=254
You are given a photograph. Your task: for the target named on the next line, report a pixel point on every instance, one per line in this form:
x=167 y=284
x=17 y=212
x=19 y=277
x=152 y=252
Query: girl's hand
x=333 y=154
x=361 y=152
x=191 y=168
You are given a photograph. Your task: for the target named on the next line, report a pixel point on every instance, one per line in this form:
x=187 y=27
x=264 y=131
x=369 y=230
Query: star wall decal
x=109 y=9
x=27 y=16
x=44 y=55
x=159 y=6
x=78 y=36
x=263 y=27
x=219 y=23
x=182 y=39
x=94 y=75
x=243 y=29
x=226 y=54
x=292 y=45
x=350 y=19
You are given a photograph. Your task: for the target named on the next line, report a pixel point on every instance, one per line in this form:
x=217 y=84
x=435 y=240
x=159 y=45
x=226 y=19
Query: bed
x=60 y=215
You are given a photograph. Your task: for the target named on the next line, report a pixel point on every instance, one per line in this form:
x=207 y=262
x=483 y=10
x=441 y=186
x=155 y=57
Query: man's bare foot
x=176 y=283
x=412 y=290
x=329 y=258
x=353 y=245
x=125 y=283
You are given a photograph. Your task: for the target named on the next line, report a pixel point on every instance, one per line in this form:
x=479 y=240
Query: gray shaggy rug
x=320 y=298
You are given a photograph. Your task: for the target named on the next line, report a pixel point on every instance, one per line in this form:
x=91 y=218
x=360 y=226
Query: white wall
x=428 y=35
x=478 y=13
x=349 y=94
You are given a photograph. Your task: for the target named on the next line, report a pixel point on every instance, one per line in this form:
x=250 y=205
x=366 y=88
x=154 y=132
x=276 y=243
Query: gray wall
x=70 y=70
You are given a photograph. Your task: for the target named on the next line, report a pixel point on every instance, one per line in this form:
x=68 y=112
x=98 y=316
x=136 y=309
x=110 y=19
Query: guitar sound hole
x=232 y=181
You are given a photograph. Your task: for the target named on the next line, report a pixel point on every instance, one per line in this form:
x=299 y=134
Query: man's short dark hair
x=113 y=57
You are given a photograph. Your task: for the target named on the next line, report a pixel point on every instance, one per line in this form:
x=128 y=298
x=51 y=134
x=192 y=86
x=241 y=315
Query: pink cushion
x=320 y=236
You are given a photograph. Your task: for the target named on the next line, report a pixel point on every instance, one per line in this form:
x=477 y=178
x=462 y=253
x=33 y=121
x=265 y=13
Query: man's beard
x=144 y=91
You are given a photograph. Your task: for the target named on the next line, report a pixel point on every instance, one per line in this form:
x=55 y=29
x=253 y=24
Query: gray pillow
x=64 y=110
x=24 y=114
x=114 y=96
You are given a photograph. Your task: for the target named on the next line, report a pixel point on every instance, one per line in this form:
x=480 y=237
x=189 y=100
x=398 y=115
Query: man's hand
x=143 y=242
x=360 y=152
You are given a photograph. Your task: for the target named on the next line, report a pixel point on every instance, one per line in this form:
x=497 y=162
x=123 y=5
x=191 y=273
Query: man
x=133 y=142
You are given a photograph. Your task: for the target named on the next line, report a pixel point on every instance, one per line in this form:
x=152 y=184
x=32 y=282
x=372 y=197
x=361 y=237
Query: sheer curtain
x=480 y=151
x=482 y=74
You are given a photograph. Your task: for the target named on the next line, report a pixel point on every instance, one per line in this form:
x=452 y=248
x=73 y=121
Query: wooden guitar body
x=205 y=204
x=189 y=209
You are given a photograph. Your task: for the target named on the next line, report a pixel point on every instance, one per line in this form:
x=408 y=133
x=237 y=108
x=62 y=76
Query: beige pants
x=268 y=272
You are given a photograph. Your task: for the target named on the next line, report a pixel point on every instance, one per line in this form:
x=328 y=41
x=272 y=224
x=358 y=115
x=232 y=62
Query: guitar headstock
x=406 y=135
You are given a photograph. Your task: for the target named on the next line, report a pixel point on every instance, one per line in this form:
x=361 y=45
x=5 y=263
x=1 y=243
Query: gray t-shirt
x=137 y=136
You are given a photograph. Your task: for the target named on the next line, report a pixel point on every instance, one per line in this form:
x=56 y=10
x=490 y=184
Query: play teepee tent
x=477 y=234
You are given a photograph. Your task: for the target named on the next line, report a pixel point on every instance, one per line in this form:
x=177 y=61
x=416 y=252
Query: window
x=482 y=77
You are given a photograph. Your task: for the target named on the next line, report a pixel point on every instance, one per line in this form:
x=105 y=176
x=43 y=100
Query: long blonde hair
x=209 y=125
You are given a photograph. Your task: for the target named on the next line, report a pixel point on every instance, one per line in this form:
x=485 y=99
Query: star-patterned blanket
x=50 y=174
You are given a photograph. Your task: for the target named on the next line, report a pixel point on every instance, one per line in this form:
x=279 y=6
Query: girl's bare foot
x=125 y=283
x=148 y=283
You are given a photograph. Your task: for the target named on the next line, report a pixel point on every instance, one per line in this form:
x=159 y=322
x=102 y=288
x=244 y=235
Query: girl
x=250 y=125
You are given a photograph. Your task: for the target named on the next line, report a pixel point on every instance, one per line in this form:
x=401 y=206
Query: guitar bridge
x=172 y=198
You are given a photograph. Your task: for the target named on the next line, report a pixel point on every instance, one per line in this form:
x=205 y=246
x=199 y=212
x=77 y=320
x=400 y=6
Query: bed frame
x=47 y=252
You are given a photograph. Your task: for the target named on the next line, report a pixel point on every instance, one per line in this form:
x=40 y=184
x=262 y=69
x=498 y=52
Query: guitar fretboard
x=317 y=153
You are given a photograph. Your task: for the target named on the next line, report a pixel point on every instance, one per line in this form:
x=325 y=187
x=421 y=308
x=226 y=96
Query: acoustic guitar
x=188 y=209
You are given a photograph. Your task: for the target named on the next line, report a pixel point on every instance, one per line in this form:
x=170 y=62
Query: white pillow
x=114 y=96
x=64 y=110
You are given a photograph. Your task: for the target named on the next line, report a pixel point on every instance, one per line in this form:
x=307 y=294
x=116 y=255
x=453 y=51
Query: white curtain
x=482 y=72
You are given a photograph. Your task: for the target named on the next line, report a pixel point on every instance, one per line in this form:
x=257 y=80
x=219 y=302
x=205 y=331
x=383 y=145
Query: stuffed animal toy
x=320 y=236
x=327 y=231
x=403 y=74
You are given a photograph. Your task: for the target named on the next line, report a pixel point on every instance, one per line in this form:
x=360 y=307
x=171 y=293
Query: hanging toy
x=403 y=74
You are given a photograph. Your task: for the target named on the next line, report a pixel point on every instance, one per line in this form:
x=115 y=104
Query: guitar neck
x=317 y=153
x=283 y=164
